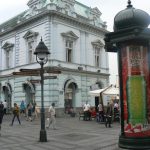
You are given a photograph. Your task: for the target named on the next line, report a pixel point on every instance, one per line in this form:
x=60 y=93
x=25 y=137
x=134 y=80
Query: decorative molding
x=68 y=81
x=96 y=11
x=97 y=43
x=34 y=3
x=69 y=1
x=70 y=35
x=17 y=47
x=28 y=83
x=80 y=22
x=7 y=46
x=30 y=34
x=7 y=87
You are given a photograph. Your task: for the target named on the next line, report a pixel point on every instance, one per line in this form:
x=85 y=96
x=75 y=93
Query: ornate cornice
x=60 y=16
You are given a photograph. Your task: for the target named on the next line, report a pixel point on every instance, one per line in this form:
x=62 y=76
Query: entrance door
x=29 y=94
x=96 y=103
x=69 y=97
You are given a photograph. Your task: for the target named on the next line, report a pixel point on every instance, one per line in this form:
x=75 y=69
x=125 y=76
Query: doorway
x=69 y=97
x=8 y=96
x=96 y=103
x=29 y=89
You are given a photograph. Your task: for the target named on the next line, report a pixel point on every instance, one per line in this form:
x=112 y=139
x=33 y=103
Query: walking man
x=86 y=109
x=51 y=117
x=16 y=114
x=109 y=113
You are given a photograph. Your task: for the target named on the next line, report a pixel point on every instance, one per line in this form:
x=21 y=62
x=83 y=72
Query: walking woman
x=16 y=114
x=1 y=115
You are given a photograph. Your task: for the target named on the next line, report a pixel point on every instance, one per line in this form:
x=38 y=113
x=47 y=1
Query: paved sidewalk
x=71 y=134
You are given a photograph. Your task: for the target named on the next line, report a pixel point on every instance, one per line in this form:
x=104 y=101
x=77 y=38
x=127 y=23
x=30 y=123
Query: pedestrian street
x=71 y=134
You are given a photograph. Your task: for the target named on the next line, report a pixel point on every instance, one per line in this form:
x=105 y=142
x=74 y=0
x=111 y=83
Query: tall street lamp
x=41 y=53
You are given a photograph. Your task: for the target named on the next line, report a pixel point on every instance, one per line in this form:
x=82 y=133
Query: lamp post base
x=43 y=136
x=134 y=142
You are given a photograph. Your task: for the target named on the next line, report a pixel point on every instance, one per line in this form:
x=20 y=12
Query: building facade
x=74 y=35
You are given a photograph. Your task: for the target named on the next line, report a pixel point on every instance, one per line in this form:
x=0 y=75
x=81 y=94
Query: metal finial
x=129 y=4
x=41 y=39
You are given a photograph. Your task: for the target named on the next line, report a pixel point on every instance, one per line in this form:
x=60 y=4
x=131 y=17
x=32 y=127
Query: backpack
x=16 y=110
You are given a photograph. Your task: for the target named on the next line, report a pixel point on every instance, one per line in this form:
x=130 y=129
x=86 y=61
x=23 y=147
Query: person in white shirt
x=86 y=109
x=116 y=105
x=116 y=112
x=51 y=117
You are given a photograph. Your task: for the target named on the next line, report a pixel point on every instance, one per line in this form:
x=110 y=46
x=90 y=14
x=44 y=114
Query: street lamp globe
x=41 y=51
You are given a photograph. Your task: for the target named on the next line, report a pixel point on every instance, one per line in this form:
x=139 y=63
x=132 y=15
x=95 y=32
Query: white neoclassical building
x=74 y=35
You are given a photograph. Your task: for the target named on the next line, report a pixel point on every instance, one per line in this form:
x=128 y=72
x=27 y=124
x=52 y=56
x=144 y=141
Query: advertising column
x=136 y=91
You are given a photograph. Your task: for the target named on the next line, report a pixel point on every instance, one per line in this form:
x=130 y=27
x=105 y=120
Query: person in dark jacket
x=16 y=114
x=1 y=114
x=109 y=112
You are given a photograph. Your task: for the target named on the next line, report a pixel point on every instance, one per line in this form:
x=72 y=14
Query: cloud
x=11 y=8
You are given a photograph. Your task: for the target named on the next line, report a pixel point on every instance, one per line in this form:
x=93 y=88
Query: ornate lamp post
x=41 y=53
x=131 y=41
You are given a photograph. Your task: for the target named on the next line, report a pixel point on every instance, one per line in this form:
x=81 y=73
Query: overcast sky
x=108 y=8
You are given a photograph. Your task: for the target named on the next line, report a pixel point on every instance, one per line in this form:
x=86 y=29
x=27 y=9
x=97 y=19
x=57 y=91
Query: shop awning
x=110 y=90
x=96 y=92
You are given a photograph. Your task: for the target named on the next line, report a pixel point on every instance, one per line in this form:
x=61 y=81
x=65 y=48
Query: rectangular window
x=8 y=56
x=97 y=56
x=69 y=49
x=7 y=59
x=30 y=52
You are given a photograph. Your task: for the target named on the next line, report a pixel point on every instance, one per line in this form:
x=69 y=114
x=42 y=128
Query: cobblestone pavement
x=71 y=134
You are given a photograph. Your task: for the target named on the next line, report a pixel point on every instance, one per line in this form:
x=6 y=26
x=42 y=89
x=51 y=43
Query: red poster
x=136 y=91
